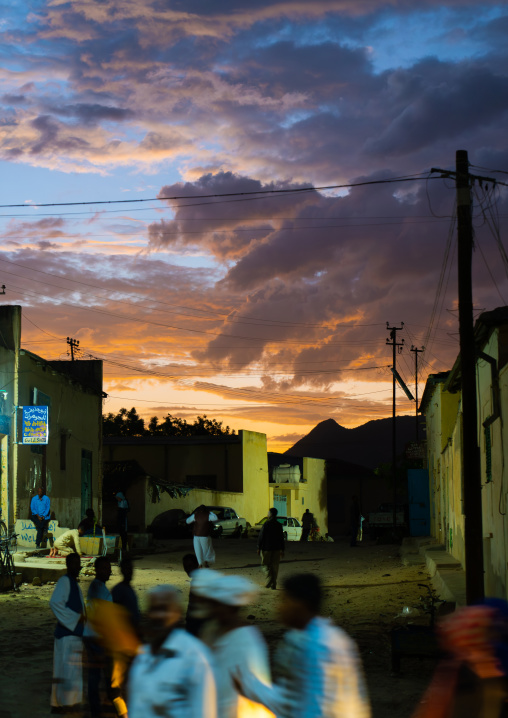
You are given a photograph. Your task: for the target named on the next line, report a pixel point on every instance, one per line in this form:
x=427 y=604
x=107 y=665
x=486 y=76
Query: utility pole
x=473 y=529
x=74 y=344
x=416 y=352
x=396 y=346
x=473 y=533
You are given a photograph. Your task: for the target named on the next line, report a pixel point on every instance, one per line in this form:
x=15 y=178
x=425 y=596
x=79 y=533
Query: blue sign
x=35 y=424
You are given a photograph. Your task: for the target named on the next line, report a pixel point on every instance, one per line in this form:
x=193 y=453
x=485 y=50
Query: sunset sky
x=265 y=311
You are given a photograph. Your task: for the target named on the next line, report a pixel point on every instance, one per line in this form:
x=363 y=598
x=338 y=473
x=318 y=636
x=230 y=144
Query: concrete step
x=439 y=560
x=45 y=570
x=451 y=585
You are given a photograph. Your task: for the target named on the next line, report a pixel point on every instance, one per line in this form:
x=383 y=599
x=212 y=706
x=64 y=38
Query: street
x=366 y=589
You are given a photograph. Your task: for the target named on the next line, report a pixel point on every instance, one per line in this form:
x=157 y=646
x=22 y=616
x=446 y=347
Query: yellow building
x=297 y=484
x=68 y=465
x=230 y=470
x=441 y=404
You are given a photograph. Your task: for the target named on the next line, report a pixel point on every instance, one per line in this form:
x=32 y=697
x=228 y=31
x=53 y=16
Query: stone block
x=27 y=532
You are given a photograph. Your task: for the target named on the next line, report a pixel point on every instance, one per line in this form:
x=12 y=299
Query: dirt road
x=366 y=588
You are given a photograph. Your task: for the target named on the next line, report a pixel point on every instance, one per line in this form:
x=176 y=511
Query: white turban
x=230 y=590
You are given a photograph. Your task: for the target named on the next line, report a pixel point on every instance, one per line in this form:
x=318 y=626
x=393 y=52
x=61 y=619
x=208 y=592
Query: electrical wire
x=256 y=194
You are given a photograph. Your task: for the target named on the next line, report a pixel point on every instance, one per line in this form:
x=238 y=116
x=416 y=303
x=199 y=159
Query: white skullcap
x=230 y=590
x=204 y=580
x=166 y=590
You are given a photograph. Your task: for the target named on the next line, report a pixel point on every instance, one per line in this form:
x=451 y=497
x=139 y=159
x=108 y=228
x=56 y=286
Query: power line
x=236 y=230
x=256 y=194
x=252 y=320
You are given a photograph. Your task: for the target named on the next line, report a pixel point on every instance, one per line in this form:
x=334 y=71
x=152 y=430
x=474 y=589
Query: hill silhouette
x=367 y=445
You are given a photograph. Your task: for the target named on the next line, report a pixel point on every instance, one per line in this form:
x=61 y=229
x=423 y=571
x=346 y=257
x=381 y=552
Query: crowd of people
x=68 y=542
x=212 y=663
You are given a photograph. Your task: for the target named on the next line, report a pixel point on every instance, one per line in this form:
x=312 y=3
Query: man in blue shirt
x=39 y=508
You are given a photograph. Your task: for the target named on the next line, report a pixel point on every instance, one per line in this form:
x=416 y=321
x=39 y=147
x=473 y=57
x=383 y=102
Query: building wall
x=184 y=463
x=311 y=493
x=444 y=439
x=495 y=486
x=371 y=492
x=76 y=410
x=10 y=333
x=240 y=467
x=445 y=474
x=7 y=403
x=74 y=420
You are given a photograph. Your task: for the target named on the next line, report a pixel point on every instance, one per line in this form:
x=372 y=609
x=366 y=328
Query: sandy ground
x=366 y=588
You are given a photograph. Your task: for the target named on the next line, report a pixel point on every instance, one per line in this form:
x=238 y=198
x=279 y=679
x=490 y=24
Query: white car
x=227 y=520
x=292 y=528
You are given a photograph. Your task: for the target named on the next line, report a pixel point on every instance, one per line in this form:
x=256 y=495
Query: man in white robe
x=69 y=608
x=172 y=675
x=237 y=647
x=318 y=669
x=202 y=519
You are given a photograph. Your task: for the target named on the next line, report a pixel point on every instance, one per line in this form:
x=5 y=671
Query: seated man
x=67 y=543
x=88 y=524
x=40 y=514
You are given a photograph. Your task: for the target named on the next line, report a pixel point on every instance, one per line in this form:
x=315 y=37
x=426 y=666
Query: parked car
x=227 y=520
x=170 y=524
x=292 y=527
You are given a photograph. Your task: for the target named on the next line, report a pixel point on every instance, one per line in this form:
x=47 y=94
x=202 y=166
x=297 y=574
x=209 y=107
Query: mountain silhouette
x=367 y=445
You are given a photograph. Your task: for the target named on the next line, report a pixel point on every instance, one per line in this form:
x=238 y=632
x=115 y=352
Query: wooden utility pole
x=473 y=534
x=416 y=352
x=393 y=343
x=74 y=344
x=473 y=529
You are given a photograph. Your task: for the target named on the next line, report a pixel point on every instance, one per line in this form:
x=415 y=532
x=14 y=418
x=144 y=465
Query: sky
x=219 y=294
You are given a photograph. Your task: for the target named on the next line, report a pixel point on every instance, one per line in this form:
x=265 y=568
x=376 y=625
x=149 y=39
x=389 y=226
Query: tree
x=129 y=423
x=125 y=423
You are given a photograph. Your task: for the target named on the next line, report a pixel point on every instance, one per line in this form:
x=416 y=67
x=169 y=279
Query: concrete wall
x=181 y=463
x=74 y=415
x=495 y=488
x=371 y=492
x=311 y=493
x=76 y=408
x=444 y=441
x=240 y=466
x=10 y=334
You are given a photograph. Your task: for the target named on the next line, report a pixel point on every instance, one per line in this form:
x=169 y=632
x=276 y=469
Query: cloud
x=273 y=308
x=265 y=90
x=287 y=438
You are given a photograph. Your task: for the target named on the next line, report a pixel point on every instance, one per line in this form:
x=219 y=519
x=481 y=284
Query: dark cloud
x=93 y=113
x=294 y=290
x=14 y=99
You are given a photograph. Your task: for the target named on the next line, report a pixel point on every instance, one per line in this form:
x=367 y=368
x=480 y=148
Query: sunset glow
x=265 y=311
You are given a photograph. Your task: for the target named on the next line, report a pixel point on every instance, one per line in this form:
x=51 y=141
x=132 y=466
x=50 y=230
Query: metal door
x=280 y=502
x=419 y=503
